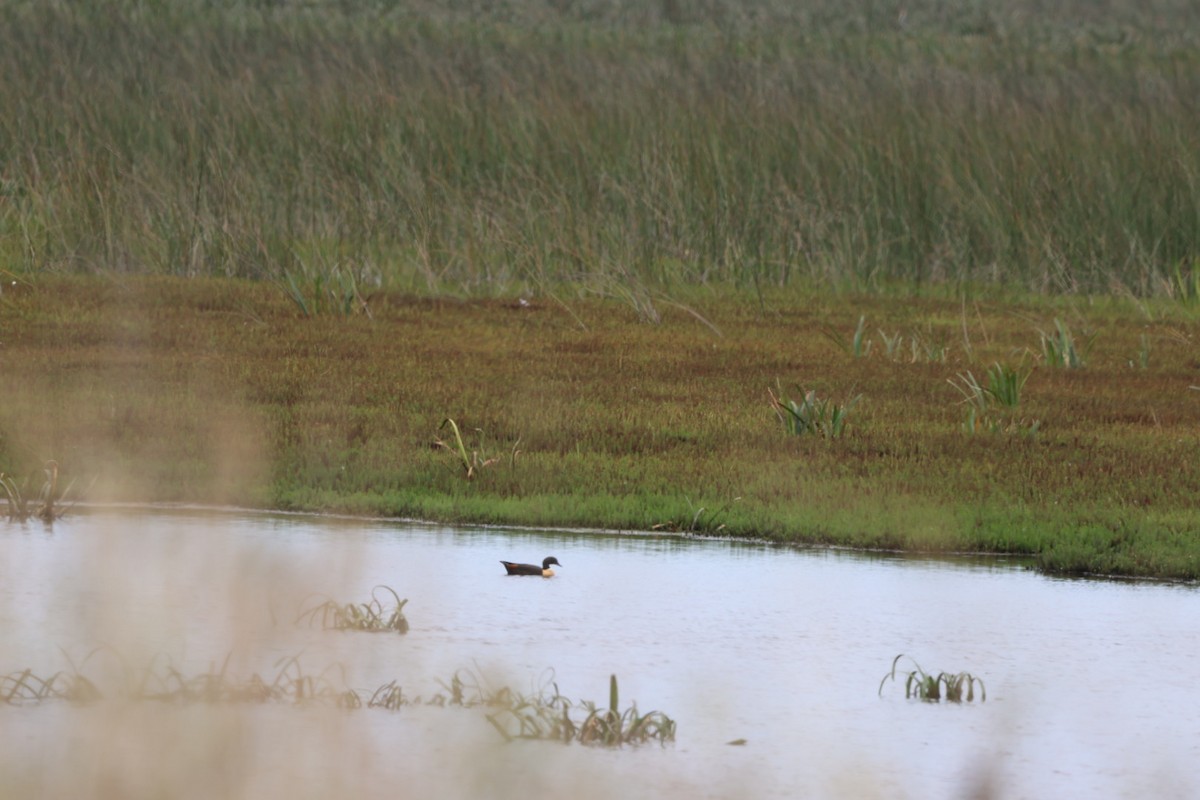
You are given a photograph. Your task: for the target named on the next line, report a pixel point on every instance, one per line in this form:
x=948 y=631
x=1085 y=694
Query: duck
x=532 y=569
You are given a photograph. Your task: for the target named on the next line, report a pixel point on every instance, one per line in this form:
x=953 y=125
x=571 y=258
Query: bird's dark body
x=531 y=569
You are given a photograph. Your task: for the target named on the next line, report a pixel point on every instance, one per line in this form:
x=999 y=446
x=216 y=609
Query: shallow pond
x=1091 y=686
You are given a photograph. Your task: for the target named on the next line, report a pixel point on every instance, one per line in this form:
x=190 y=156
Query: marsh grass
x=371 y=617
x=333 y=291
x=544 y=714
x=610 y=145
x=699 y=520
x=1142 y=361
x=1059 y=348
x=45 y=503
x=920 y=685
x=218 y=391
x=611 y=726
x=994 y=406
x=161 y=682
x=1183 y=283
x=859 y=344
x=470 y=462
x=812 y=415
x=927 y=348
x=892 y=345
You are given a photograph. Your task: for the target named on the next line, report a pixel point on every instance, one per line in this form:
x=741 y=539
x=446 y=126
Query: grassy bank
x=695 y=204
x=449 y=147
x=222 y=391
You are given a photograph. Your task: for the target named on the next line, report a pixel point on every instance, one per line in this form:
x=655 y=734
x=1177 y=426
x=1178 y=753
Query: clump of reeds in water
x=921 y=685
x=372 y=617
x=43 y=503
x=19 y=688
x=544 y=714
x=165 y=684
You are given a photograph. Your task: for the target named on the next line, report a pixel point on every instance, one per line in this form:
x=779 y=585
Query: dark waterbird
x=532 y=569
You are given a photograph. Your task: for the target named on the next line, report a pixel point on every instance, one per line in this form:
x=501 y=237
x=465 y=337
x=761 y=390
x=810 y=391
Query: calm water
x=1092 y=686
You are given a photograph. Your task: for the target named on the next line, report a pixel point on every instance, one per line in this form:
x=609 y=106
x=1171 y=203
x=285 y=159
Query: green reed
x=1059 y=348
x=612 y=727
x=161 y=682
x=920 y=685
x=858 y=345
x=330 y=291
x=471 y=461
x=45 y=503
x=546 y=714
x=993 y=405
x=811 y=414
x=372 y=616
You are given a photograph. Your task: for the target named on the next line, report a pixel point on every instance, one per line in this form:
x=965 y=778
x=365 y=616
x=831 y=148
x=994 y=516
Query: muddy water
x=1091 y=686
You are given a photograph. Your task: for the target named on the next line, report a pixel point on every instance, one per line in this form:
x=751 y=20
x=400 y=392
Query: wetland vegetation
x=921 y=685
x=544 y=714
x=263 y=254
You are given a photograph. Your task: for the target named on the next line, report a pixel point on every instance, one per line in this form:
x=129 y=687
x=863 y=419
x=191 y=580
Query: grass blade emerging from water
x=924 y=686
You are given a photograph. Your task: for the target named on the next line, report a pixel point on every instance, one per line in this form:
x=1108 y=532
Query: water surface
x=1090 y=685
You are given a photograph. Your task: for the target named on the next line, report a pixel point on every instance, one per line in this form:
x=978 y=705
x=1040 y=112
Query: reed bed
x=618 y=147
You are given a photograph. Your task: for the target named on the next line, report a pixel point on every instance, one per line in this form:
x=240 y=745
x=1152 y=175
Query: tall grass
x=448 y=147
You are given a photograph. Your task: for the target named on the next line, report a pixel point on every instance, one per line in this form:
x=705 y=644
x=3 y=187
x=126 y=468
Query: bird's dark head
x=550 y=560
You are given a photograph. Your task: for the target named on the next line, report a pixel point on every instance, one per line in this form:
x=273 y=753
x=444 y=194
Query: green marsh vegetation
x=37 y=496
x=920 y=685
x=373 y=616
x=812 y=414
x=218 y=391
x=544 y=714
x=993 y=405
x=311 y=234
x=620 y=146
x=475 y=460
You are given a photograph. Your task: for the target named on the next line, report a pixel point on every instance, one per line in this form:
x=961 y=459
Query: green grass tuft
x=371 y=617
x=920 y=685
